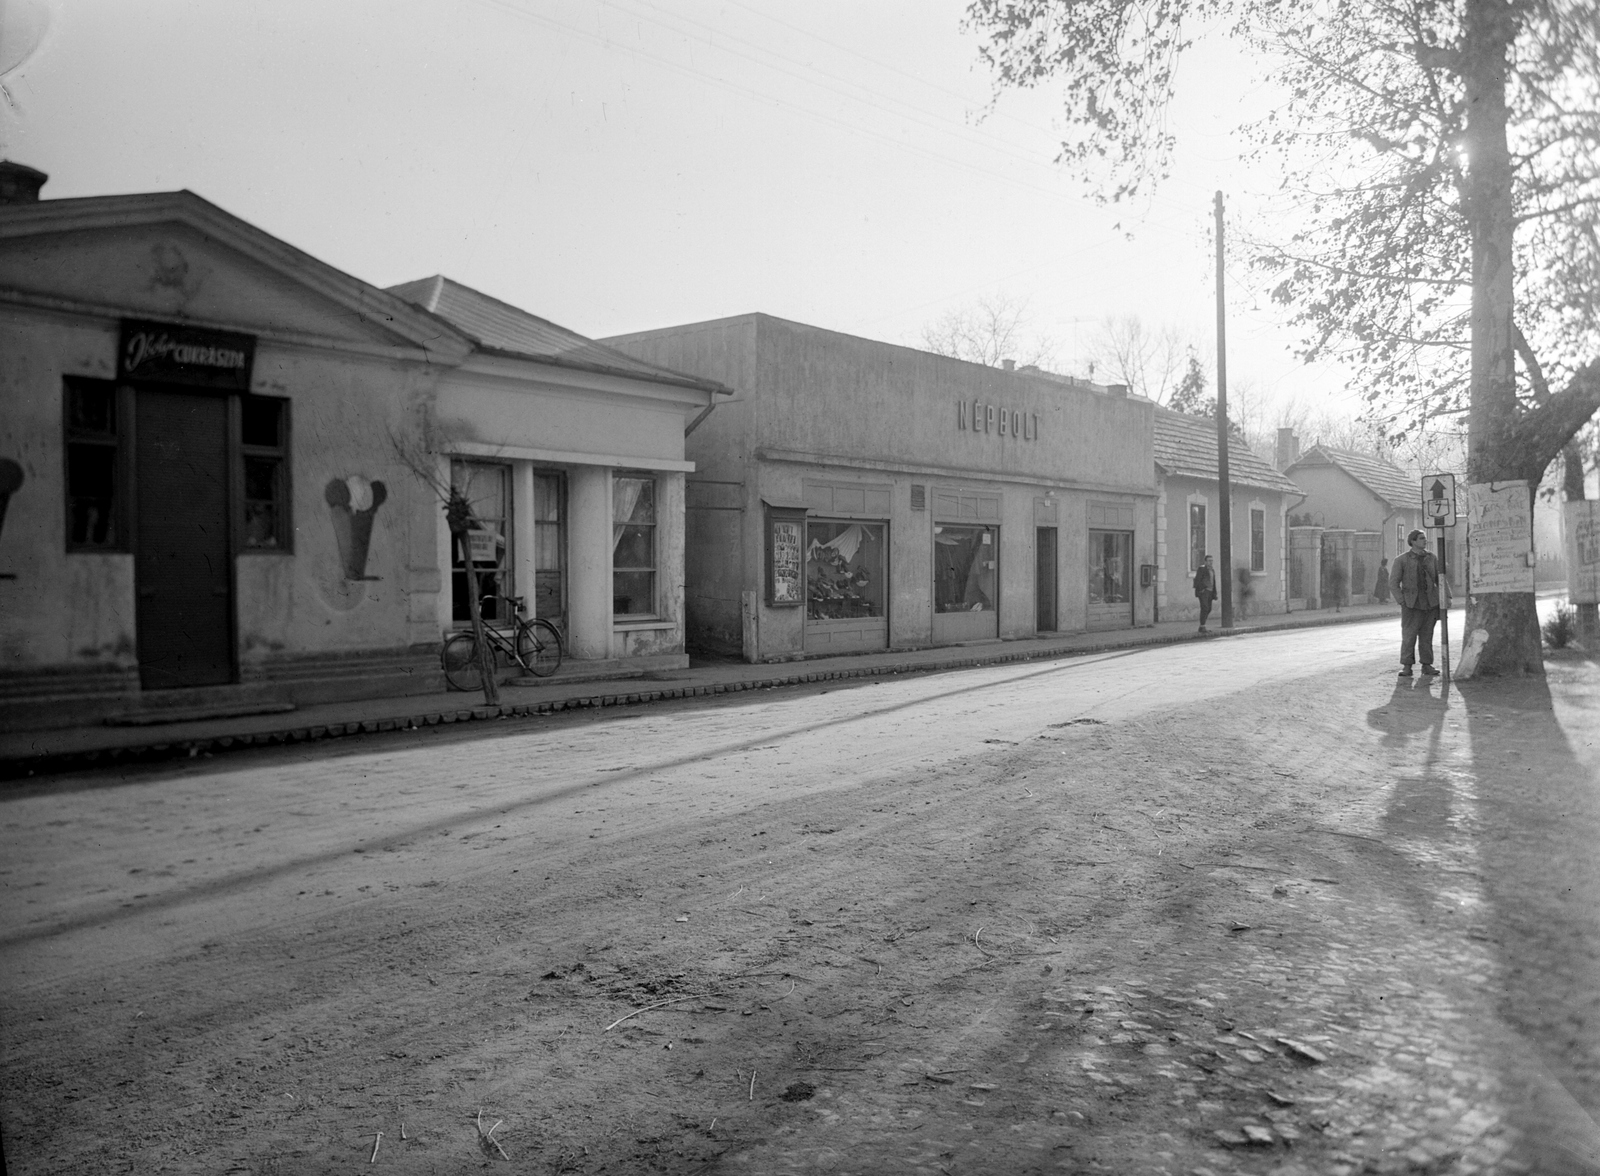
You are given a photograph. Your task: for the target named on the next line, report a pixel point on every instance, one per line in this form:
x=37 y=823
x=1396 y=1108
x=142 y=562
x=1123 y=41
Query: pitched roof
x=499 y=327
x=1186 y=446
x=1387 y=481
x=365 y=303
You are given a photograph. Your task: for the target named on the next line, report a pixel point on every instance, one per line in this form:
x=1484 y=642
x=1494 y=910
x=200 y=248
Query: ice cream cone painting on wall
x=10 y=482
x=353 y=501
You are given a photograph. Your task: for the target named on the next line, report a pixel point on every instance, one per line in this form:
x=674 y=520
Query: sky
x=621 y=165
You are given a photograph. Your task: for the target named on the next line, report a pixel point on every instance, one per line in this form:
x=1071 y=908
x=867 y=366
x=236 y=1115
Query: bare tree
x=1149 y=360
x=420 y=450
x=989 y=330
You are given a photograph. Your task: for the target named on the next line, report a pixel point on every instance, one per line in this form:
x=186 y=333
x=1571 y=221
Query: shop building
x=857 y=495
x=221 y=458
x=1190 y=526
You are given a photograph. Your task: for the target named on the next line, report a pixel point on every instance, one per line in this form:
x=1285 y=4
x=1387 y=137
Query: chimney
x=1009 y=364
x=19 y=183
x=1117 y=389
x=1288 y=449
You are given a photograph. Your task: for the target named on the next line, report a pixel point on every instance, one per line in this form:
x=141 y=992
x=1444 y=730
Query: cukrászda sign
x=178 y=354
x=978 y=417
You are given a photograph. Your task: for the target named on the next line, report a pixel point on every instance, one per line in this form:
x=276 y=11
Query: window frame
x=654 y=568
x=1258 y=539
x=284 y=524
x=120 y=442
x=1197 y=556
x=504 y=568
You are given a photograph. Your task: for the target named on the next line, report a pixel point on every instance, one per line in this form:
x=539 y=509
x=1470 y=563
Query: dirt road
x=1240 y=906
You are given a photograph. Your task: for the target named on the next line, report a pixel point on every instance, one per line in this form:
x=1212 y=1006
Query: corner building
x=856 y=495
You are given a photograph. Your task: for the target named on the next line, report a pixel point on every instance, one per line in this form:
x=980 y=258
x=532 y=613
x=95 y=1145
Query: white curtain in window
x=624 y=497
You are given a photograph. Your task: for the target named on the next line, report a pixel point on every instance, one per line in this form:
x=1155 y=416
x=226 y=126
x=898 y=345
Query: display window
x=965 y=566
x=844 y=570
x=1110 y=567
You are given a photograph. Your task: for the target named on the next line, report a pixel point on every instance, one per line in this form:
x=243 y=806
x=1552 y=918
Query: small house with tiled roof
x=1354 y=497
x=1188 y=525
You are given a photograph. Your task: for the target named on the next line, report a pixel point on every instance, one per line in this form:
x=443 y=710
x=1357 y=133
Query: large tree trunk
x=1501 y=626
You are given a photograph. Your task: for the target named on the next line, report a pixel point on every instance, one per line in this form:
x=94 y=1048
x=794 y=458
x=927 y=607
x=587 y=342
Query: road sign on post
x=1439 y=500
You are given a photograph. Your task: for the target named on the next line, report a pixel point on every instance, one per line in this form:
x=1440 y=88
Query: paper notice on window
x=1500 y=536
x=1582 y=528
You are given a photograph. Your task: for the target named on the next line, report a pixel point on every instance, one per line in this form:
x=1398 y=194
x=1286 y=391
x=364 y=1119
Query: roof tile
x=1186 y=446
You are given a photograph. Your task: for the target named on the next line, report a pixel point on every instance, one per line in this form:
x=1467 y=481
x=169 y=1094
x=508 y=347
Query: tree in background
x=993 y=328
x=1445 y=157
x=1149 y=360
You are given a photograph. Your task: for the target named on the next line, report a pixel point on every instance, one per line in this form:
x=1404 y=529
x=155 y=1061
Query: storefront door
x=846 y=586
x=1044 y=579
x=966 y=578
x=1110 y=579
x=183 y=563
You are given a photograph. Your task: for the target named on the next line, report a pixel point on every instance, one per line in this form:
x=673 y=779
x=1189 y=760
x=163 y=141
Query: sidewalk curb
x=13 y=768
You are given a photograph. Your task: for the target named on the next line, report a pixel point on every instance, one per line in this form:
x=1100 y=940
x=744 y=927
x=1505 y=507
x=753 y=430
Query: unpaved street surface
x=1235 y=906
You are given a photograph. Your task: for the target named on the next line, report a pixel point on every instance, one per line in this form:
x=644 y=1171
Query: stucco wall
x=1267 y=585
x=723 y=508
x=77 y=609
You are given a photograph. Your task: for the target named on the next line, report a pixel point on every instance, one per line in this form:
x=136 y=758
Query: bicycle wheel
x=461 y=667
x=539 y=645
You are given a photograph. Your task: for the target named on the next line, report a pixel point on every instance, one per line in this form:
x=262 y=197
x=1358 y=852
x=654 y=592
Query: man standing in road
x=1205 y=590
x=1415 y=579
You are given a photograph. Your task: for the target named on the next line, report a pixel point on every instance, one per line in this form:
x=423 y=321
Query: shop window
x=95 y=421
x=633 y=546
x=1110 y=567
x=965 y=566
x=549 y=546
x=1197 y=535
x=1258 y=540
x=264 y=452
x=487 y=488
x=844 y=570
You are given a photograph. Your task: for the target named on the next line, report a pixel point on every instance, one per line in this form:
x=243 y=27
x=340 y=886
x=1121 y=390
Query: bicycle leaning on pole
x=535 y=645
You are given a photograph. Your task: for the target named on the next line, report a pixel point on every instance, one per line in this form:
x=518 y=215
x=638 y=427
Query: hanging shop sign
x=977 y=416
x=177 y=354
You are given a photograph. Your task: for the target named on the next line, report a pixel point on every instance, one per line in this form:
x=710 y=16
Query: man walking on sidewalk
x=1415 y=579
x=1205 y=590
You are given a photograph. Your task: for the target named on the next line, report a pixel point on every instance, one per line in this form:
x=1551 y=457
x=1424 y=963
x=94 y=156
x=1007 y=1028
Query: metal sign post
x=1439 y=512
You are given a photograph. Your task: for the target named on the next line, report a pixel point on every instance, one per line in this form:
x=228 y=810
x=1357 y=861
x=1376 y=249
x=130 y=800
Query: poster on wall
x=1582 y=533
x=1500 y=536
x=786 y=583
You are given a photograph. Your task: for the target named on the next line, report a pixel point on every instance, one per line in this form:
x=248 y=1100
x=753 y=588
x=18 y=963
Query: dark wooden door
x=182 y=566
x=1044 y=592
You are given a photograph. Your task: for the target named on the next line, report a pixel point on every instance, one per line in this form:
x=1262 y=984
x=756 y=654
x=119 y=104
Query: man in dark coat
x=1205 y=590
x=1415 y=579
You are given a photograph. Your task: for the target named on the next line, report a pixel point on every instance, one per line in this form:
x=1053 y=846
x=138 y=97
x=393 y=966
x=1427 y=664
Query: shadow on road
x=1538 y=822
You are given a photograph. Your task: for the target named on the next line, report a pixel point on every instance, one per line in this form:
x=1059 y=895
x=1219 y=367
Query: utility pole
x=1224 y=490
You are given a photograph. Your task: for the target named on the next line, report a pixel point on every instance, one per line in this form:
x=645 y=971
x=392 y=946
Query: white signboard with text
x=1582 y=532
x=1500 y=536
